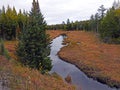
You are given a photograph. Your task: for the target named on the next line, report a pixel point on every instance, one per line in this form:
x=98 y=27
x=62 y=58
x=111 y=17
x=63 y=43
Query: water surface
x=62 y=68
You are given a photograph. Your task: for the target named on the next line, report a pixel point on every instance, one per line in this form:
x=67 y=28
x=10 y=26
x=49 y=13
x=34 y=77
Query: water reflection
x=78 y=77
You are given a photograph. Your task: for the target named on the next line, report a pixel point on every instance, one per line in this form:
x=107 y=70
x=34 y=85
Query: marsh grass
x=3 y=50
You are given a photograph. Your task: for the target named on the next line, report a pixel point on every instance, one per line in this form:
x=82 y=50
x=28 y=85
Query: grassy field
x=23 y=78
x=98 y=60
x=54 y=33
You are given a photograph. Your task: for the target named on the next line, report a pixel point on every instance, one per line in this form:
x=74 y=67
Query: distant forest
x=106 y=22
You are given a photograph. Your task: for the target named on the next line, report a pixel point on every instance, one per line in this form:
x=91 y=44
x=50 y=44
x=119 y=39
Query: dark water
x=79 y=79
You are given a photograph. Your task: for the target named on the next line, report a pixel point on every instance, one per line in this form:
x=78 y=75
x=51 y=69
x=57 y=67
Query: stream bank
x=62 y=68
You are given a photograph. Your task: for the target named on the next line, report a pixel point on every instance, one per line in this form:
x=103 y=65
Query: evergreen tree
x=76 y=25
x=34 y=47
x=101 y=11
x=110 y=26
x=97 y=20
x=92 y=22
x=9 y=23
x=63 y=25
x=2 y=22
x=22 y=19
x=68 y=27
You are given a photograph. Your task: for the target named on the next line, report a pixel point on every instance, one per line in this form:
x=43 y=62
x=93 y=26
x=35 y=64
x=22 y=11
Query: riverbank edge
x=86 y=70
x=56 y=78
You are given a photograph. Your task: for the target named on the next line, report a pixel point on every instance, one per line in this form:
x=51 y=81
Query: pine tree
x=68 y=25
x=34 y=47
x=110 y=26
x=9 y=21
x=101 y=11
x=22 y=19
x=2 y=22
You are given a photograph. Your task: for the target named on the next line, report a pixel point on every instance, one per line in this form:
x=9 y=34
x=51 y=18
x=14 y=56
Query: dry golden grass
x=23 y=78
x=54 y=33
x=98 y=60
x=10 y=46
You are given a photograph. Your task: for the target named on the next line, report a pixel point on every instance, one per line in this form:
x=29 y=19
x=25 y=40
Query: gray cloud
x=56 y=11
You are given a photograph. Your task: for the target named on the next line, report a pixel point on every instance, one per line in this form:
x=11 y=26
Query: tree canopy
x=34 y=46
x=10 y=21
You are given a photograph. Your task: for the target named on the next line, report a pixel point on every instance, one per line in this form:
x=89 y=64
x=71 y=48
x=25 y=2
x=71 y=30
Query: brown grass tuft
x=98 y=60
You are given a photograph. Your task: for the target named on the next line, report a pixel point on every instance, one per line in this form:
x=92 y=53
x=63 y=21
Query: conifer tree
x=110 y=26
x=2 y=22
x=33 y=48
x=68 y=25
x=101 y=11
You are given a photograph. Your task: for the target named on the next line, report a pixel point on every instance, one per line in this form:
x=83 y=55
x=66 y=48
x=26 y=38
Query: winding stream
x=79 y=79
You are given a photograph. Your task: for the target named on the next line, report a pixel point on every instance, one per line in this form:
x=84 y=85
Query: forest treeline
x=87 y=25
x=11 y=22
x=106 y=22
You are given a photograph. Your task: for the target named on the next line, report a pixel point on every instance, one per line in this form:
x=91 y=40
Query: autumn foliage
x=87 y=52
x=98 y=60
x=22 y=78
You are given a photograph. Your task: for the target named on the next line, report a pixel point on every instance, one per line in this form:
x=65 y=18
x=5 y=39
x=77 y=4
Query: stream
x=62 y=68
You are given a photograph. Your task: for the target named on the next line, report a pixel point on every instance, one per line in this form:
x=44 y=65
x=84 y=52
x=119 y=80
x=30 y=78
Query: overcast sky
x=56 y=11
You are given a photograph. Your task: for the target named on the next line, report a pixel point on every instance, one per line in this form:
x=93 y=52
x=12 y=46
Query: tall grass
x=3 y=50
